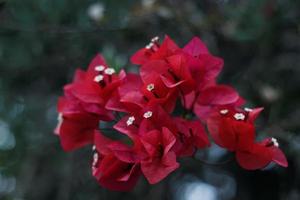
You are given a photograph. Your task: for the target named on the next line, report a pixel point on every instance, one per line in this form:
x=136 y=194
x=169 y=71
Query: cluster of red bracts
x=142 y=108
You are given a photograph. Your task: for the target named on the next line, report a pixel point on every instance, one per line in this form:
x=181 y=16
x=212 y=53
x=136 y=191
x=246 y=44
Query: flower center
x=239 y=116
x=147 y=114
x=99 y=68
x=150 y=87
x=109 y=71
x=130 y=120
x=224 y=111
x=99 y=78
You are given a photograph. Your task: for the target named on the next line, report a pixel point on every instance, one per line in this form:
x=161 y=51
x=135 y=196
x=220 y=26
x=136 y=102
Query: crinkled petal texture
x=76 y=126
x=230 y=133
x=116 y=166
x=115 y=174
x=191 y=136
x=211 y=97
x=262 y=154
x=167 y=48
x=160 y=160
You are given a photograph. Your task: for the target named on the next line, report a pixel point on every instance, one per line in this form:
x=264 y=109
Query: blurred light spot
x=148 y=3
x=199 y=190
x=7 y=184
x=215 y=152
x=7 y=140
x=269 y=93
x=224 y=182
x=96 y=11
x=190 y=187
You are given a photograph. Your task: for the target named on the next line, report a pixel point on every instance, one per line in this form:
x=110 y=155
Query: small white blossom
x=95 y=159
x=248 y=109
x=224 y=111
x=99 y=68
x=147 y=114
x=98 y=78
x=155 y=39
x=275 y=142
x=94 y=147
x=130 y=120
x=150 y=87
x=109 y=71
x=239 y=116
x=149 y=46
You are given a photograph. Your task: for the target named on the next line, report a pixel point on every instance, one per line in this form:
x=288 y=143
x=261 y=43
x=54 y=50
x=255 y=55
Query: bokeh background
x=42 y=42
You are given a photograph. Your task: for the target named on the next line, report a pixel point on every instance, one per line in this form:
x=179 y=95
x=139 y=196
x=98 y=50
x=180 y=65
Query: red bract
x=262 y=154
x=115 y=165
x=214 y=96
x=233 y=129
x=76 y=126
x=161 y=115
x=155 y=51
x=191 y=136
x=83 y=105
x=160 y=159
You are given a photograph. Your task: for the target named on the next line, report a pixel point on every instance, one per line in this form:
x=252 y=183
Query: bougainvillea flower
x=203 y=66
x=191 y=135
x=155 y=51
x=262 y=154
x=115 y=165
x=230 y=128
x=76 y=126
x=97 y=84
x=144 y=109
x=233 y=129
x=172 y=71
x=160 y=160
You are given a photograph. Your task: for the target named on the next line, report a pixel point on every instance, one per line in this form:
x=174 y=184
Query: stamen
x=147 y=114
x=130 y=120
x=275 y=142
x=248 y=109
x=99 y=68
x=98 y=78
x=150 y=87
x=239 y=116
x=224 y=111
x=109 y=71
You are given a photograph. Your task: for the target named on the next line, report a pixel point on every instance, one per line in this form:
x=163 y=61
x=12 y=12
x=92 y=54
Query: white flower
x=248 y=109
x=239 y=116
x=98 y=78
x=150 y=87
x=109 y=71
x=130 y=120
x=224 y=111
x=147 y=114
x=275 y=142
x=99 y=68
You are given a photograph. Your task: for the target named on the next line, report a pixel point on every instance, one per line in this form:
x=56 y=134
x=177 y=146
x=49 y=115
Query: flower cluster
x=140 y=107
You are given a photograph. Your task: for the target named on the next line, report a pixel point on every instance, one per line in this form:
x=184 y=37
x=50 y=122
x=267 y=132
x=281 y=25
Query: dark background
x=42 y=42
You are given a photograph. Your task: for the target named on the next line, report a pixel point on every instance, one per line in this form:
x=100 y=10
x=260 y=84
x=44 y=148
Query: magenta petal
x=218 y=95
x=195 y=47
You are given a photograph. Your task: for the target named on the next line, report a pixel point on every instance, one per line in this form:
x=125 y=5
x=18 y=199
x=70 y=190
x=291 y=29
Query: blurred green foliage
x=42 y=42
